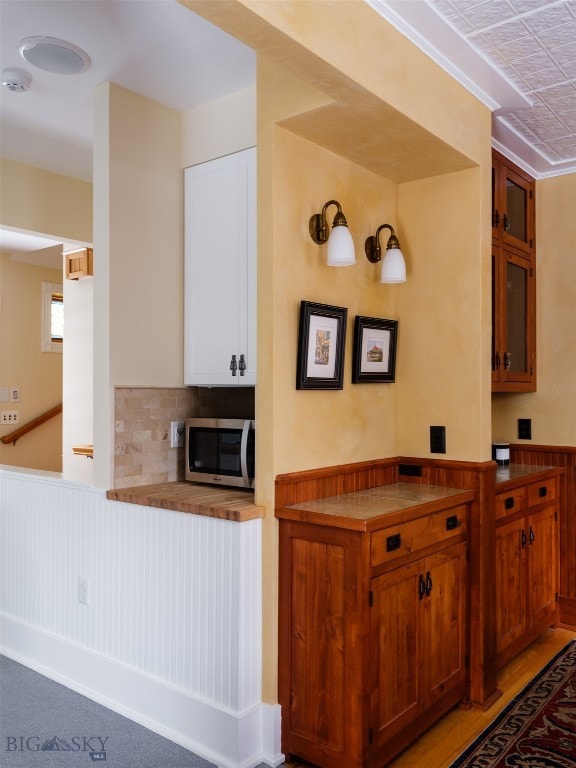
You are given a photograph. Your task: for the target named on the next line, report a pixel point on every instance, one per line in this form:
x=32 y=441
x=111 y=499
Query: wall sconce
x=340 y=243
x=393 y=264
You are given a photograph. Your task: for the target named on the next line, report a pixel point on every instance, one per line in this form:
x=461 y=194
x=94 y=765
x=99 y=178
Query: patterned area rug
x=538 y=728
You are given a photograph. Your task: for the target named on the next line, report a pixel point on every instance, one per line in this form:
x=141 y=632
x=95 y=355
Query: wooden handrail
x=23 y=430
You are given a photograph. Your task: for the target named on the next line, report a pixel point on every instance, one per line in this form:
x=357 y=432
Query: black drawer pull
x=452 y=522
x=393 y=542
x=542 y=491
x=509 y=503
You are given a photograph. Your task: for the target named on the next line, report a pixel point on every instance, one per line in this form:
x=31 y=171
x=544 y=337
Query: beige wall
x=445 y=316
x=553 y=407
x=443 y=311
x=219 y=128
x=138 y=235
x=23 y=364
x=45 y=203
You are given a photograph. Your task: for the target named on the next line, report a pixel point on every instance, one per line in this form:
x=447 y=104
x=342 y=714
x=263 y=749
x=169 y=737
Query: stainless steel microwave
x=220 y=451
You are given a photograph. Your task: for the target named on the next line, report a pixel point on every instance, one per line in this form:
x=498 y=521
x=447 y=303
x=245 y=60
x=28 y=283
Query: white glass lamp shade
x=393 y=267
x=340 y=247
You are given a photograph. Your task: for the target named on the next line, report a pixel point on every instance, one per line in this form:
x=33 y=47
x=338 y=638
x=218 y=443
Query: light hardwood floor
x=442 y=744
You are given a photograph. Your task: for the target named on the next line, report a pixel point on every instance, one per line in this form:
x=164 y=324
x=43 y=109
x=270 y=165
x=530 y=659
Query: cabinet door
x=513 y=205
x=542 y=566
x=220 y=270
x=323 y=644
x=513 y=321
x=443 y=639
x=395 y=655
x=510 y=583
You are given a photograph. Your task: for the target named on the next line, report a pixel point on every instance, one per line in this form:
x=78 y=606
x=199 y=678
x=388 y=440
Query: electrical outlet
x=177 y=434
x=8 y=417
x=82 y=590
x=437 y=439
x=524 y=429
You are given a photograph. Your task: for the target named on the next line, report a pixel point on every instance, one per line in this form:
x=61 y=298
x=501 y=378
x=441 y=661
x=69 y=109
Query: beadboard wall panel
x=171 y=596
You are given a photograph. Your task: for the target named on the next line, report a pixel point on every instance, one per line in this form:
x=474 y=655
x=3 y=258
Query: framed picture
x=374 y=357
x=321 y=341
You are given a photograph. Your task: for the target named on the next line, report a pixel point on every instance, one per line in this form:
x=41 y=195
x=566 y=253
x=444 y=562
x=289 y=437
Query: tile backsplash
x=142 y=416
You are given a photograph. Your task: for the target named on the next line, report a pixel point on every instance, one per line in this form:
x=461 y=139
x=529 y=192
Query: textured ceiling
x=518 y=56
x=533 y=43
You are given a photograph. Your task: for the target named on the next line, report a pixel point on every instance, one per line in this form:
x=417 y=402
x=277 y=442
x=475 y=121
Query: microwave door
x=244 y=453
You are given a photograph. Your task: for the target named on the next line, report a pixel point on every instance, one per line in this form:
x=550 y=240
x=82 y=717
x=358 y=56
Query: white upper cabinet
x=220 y=272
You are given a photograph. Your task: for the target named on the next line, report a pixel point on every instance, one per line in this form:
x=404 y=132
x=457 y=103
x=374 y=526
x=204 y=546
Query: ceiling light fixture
x=393 y=264
x=54 y=55
x=16 y=80
x=340 y=243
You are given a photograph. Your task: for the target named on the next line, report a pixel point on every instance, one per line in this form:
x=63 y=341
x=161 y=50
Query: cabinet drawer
x=541 y=492
x=405 y=538
x=511 y=502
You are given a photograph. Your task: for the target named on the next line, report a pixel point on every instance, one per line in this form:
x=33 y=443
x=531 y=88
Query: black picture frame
x=321 y=344
x=374 y=354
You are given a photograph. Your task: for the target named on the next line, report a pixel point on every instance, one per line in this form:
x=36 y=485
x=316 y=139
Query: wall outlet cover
x=524 y=429
x=437 y=439
x=177 y=434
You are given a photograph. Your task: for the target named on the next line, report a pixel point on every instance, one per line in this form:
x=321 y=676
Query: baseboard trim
x=229 y=739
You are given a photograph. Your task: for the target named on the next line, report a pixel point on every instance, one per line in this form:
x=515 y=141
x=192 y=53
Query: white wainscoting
x=171 y=635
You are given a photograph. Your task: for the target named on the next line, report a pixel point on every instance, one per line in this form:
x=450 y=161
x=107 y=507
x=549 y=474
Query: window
x=52 y=317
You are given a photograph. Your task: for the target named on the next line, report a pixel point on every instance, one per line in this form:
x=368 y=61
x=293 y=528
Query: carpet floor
x=537 y=729
x=45 y=725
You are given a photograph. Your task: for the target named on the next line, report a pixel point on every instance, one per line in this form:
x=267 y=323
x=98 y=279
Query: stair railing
x=25 y=428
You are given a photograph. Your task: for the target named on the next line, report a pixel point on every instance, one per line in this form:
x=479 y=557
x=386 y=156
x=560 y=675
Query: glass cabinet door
x=513 y=320
x=512 y=206
x=517 y=225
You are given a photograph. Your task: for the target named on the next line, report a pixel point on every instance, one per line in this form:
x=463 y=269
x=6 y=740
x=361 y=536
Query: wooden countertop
x=365 y=510
x=194 y=499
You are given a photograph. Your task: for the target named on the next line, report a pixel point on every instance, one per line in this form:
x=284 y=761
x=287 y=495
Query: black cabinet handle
x=428 y=583
x=393 y=542
x=542 y=491
x=233 y=365
x=523 y=539
x=532 y=536
x=509 y=503
x=242 y=365
x=452 y=522
x=421 y=587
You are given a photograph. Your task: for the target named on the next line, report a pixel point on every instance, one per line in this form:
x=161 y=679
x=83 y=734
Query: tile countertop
x=364 y=510
x=193 y=498
x=510 y=472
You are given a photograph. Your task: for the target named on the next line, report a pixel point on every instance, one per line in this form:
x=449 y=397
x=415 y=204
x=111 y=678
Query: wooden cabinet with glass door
x=513 y=279
x=513 y=197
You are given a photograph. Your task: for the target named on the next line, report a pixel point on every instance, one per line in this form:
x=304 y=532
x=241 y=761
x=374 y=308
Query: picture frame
x=321 y=344
x=374 y=355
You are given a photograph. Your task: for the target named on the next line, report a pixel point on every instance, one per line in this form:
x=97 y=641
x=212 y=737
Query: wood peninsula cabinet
x=526 y=557
x=373 y=620
x=513 y=278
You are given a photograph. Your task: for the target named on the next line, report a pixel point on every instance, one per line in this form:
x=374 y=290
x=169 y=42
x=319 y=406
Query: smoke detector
x=54 y=55
x=16 y=80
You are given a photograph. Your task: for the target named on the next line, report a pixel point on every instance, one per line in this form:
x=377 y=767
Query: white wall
x=77 y=383
x=171 y=635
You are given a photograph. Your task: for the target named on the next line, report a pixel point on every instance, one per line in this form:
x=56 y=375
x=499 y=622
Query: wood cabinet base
x=373 y=629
